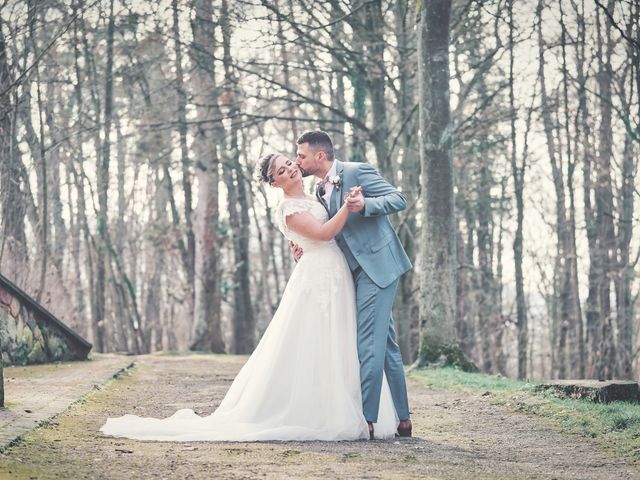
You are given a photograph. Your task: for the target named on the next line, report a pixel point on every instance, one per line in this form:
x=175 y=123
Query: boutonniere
x=335 y=180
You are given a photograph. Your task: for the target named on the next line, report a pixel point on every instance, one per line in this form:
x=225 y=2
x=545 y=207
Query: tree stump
x=598 y=391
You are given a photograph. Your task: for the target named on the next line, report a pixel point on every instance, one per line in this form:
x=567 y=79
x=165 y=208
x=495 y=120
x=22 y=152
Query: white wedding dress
x=302 y=382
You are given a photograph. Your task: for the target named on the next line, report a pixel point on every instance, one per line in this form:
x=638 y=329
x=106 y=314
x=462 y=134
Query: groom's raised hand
x=355 y=200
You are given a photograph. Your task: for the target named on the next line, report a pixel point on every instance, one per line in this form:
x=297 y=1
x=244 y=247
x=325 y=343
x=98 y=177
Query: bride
x=302 y=381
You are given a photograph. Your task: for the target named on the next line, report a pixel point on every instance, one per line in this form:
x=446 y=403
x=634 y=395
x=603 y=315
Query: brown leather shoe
x=370 y=430
x=404 y=428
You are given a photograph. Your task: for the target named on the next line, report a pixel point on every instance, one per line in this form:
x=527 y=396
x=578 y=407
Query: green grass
x=616 y=425
x=455 y=379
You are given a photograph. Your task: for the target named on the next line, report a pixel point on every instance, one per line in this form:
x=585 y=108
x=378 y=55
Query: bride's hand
x=354 y=200
x=296 y=250
x=354 y=191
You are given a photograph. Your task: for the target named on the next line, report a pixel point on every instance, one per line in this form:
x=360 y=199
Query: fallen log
x=598 y=391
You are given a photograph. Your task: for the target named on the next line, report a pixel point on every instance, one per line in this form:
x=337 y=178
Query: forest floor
x=458 y=434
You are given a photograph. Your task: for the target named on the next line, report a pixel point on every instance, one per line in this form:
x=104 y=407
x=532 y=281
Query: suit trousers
x=377 y=347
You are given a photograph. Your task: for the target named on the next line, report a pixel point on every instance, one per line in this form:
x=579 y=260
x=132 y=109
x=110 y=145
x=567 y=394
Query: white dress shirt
x=328 y=186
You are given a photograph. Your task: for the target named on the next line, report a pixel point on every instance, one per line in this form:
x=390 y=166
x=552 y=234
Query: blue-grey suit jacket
x=369 y=235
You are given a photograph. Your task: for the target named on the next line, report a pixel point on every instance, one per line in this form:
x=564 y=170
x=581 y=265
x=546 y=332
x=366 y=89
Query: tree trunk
x=373 y=36
x=156 y=262
x=207 y=334
x=624 y=299
x=41 y=170
x=406 y=305
x=574 y=309
x=606 y=239
x=1 y=380
x=500 y=356
x=358 y=139
x=103 y=188
x=284 y=59
x=558 y=321
x=12 y=200
x=518 y=181
x=120 y=326
x=437 y=285
x=624 y=278
x=584 y=138
x=59 y=229
x=565 y=286
x=484 y=293
x=338 y=93
x=81 y=231
x=243 y=317
x=92 y=244
x=268 y=291
x=188 y=254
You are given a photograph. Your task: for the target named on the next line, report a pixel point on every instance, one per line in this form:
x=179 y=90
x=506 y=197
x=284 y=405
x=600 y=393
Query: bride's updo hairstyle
x=265 y=167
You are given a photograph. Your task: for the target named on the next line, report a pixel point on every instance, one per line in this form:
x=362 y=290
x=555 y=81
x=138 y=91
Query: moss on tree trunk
x=435 y=352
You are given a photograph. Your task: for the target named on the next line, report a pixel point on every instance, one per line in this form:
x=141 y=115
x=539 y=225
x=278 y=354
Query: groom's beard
x=303 y=171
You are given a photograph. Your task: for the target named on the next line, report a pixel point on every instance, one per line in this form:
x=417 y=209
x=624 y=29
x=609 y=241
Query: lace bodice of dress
x=291 y=206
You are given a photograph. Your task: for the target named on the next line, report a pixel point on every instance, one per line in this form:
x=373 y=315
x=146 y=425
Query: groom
x=376 y=258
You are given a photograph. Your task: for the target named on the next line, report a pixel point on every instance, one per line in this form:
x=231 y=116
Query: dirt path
x=36 y=393
x=456 y=437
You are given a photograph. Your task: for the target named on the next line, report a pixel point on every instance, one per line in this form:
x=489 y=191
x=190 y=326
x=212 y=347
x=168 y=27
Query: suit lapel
x=335 y=202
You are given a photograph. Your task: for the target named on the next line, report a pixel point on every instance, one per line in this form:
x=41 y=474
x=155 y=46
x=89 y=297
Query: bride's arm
x=305 y=224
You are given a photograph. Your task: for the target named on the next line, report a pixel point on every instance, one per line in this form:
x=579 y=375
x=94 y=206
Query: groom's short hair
x=317 y=138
